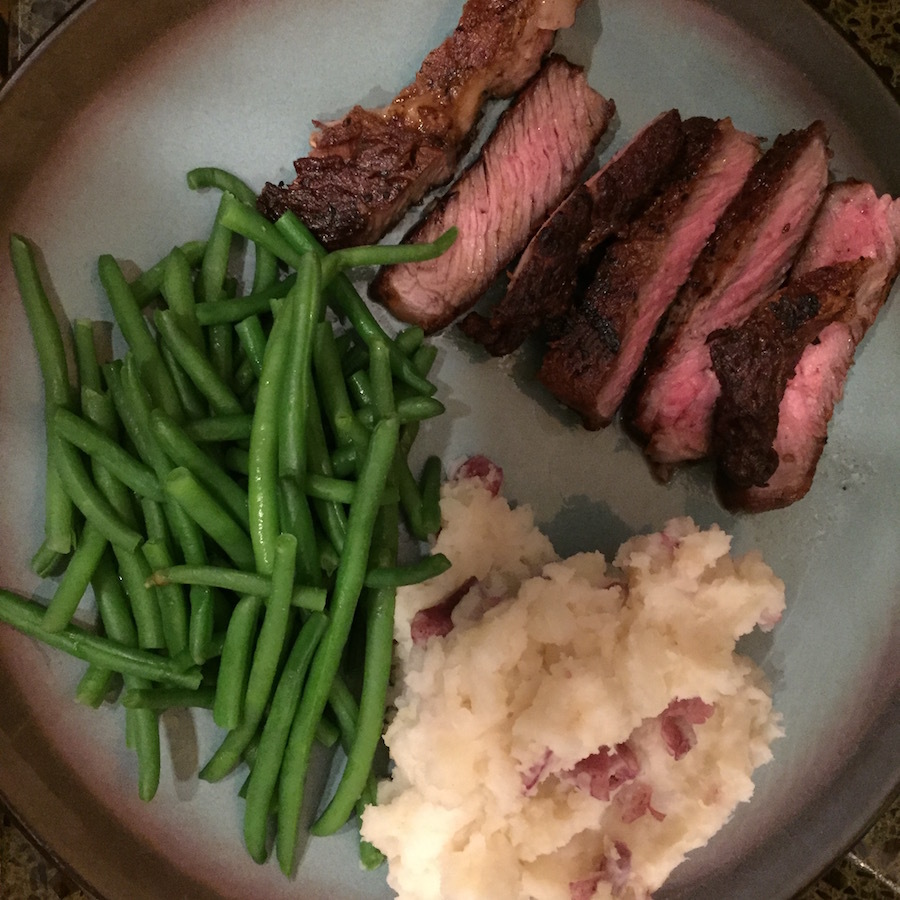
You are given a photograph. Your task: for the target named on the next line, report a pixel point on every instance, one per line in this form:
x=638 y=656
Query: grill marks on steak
x=367 y=168
x=744 y=261
x=544 y=281
x=591 y=366
x=537 y=152
x=857 y=229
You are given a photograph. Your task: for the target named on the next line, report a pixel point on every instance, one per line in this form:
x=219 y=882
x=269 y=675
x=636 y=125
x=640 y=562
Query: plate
x=100 y=127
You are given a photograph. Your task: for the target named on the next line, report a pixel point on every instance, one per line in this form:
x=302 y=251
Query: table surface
x=871 y=870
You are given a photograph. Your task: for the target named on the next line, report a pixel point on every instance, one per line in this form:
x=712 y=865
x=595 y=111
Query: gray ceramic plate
x=98 y=131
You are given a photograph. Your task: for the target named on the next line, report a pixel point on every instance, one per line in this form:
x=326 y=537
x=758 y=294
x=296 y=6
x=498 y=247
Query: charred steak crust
x=546 y=277
x=591 y=366
x=367 y=168
x=754 y=361
x=534 y=156
x=853 y=224
x=669 y=406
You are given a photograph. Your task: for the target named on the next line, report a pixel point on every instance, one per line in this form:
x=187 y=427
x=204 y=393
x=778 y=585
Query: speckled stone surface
x=871 y=871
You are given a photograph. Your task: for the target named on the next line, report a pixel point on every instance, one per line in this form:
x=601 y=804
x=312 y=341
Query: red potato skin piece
x=367 y=168
x=591 y=366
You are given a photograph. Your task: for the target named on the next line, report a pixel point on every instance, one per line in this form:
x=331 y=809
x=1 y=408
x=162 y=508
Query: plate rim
x=80 y=16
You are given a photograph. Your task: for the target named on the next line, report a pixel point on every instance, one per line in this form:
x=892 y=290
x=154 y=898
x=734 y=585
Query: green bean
x=331 y=515
x=380 y=377
x=191 y=399
x=133 y=405
x=137 y=335
x=219 y=429
x=253 y=340
x=332 y=389
x=178 y=292
x=262 y=489
x=135 y=570
x=145 y=728
x=200 y=623
x=424 y=357
x=112 y=603
x=86 y=354
x=297 y=519
x=44 y=325
x=237 y=652
x=246 y=221
x=416 y=409
x=355 y=358
x=430 y=490
x=169 y=698
x=266 y=656
x=210 y=515
x=312 y=599
x=117 y=621
x=26 y=616
x=232 y=580
x=410 y=409
x=305 y=305
x=93 y=505
x=346 y=301
x=376 y=676
x=265 y=270
x=93 y=441
x=76 y=579
x=59 y=531
x=214 y=177
x=133 y=408
x=385 y=254
x=171 y=600
x=360 y=387
x=244 y=379
x=410 y=498
x=213 y=271
x=94 y=686
x=344 y=461
x=184 y=452
x=348 y=585
x=236 y=310
x=415 y=573
x=410 y=339
x=214 y=576
x=149 y=283
x=197 y=366
x=267 y=763
x=237 y=459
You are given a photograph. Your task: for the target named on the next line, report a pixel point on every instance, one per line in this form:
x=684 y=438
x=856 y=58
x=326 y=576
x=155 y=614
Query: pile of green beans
x=232 y=491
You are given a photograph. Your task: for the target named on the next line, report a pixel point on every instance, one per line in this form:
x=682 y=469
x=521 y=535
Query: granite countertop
x=871 y=870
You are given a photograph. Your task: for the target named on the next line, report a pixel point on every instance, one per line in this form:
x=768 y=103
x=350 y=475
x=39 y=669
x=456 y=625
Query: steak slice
x=534 y=156
x=854 y=227
x=590 y=367
x=746 y=260
x=367 y=168
x=544 y=281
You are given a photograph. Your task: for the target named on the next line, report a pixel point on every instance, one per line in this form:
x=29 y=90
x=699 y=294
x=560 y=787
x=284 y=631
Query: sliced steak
x=543 y=283
x=745 y=260
x=591 y=366
x=367 y=168
x=854 y=227
x=538 y=150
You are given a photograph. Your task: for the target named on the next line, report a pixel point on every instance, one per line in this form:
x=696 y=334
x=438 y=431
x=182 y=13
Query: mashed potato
x=566 y=729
